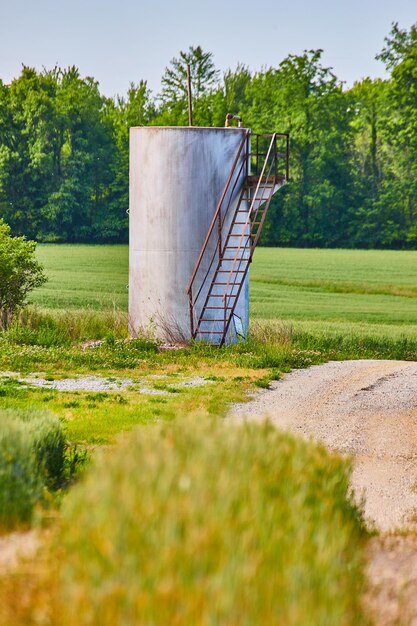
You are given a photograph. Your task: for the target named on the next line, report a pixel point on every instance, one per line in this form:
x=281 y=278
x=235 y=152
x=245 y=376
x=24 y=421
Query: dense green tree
x=56 y=152
x=204 y=75
x=137 y=109
x=305 y=99
x=370 y=161
x=27 y=135
x=84 y=159
x=400 y=187
x=174 y=94
x=64 y=147
x=231 y=95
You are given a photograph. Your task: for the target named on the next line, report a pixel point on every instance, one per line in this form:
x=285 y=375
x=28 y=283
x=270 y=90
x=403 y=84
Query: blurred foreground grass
x=203 y=522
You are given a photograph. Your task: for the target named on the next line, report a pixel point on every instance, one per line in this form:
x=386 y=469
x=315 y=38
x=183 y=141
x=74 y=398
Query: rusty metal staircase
x=260 y=168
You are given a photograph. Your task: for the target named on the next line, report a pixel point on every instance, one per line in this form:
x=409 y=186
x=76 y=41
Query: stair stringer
x=235 y=294
x=208 y=270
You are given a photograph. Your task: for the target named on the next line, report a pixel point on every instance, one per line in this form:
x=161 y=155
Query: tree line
x=64 y=146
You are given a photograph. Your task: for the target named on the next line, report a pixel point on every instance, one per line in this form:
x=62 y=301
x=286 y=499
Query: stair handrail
x=252 y=215
x=217 y=219
x=227 y=296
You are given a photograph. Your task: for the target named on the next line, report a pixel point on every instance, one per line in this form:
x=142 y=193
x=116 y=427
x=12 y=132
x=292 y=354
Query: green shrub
x=209 y=523
x=21 y=484
x=32 y=459
x=20 y=273
x=48 y=443
x=47 y=440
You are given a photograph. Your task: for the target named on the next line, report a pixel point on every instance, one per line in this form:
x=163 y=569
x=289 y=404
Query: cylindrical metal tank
x=177 y=175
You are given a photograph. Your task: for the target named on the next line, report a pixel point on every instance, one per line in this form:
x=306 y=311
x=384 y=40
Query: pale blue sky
x=123 y=41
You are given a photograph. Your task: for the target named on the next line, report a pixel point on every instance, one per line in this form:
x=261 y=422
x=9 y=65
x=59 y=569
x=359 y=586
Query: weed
x=275 y=374
x=215 y=378
x=166 y=387
x=57 y=328
x=263 y=383
x=77 y=459
x=47 y=398
x=98 y=396
x=12 y=388
x=21 y=484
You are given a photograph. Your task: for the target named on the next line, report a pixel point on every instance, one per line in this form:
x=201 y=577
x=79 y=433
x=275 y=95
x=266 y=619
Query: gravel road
x=364 y=408
x=367 y=409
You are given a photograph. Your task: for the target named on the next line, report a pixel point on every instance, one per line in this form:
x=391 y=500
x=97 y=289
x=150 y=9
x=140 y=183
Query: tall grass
x=68 y=340
x=34 y=326
x=207 y=523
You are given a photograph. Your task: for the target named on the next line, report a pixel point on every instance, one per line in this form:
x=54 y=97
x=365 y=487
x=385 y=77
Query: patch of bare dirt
x=17 y=547
x=391 y=599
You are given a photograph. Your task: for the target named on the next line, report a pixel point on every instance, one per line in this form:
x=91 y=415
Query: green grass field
x=83 y=276
x=307 y=306
x=334 y=291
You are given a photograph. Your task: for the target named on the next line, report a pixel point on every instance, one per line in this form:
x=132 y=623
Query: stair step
x=217 y=308
x=215 y=320
x=251 y=199
x=253 y=178
x=234 y=284
x=209 y=332
x=245 y=223
x=230 y=272
x=255 y=200
x=221 y=295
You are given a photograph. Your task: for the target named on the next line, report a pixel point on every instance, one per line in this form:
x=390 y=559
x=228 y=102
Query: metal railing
x=267 y=179
x=268 y=162
x=238 y=170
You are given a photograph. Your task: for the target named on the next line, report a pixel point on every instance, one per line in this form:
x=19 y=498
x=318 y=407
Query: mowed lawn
x=343 y=291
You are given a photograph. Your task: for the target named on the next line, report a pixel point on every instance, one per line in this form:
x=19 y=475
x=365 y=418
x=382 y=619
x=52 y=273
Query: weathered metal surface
x=177 y=176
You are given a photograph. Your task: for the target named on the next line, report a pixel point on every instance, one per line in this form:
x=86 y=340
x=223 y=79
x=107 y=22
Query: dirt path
x=364 y=408
x=15 y=547
x=367 y=409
